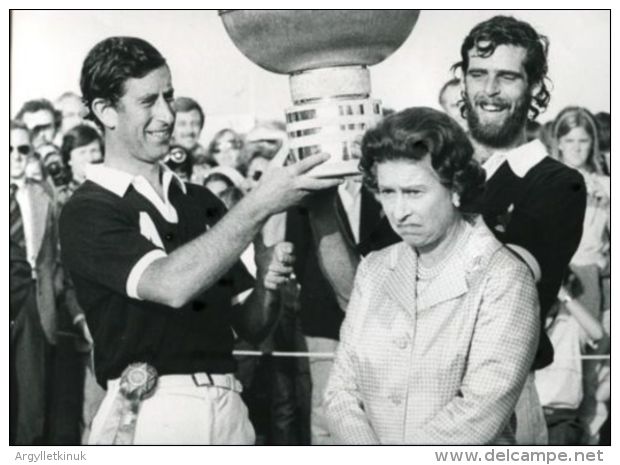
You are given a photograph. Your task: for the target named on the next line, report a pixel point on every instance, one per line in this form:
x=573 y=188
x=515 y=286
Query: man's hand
x=85 y=342
x=280 y=267
x=284 y=186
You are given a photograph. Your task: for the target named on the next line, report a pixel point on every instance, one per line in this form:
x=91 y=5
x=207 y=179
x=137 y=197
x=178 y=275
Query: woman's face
x=83 y=156
x=575 y=147
x=418 y=207
x=227 y=150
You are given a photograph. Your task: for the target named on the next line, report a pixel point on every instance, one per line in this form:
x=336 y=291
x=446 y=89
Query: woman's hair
x=416 y=132
x=218 y=177
x=78 y=136
x=213 y=146
x=578 y=117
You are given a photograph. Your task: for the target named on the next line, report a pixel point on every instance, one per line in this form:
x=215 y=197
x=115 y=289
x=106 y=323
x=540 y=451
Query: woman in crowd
x=221 y=178
x=226 y=149
x=441 y=328
x=81 y=146
x=576 y=144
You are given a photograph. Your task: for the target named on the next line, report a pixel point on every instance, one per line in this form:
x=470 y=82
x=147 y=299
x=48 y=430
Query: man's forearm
x=192 y=268
x=254 y=319
x=337 y=256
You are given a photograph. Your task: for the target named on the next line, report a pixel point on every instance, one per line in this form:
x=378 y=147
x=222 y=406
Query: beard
x=497 y=134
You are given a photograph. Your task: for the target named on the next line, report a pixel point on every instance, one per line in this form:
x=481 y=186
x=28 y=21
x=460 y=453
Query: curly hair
x=416 y=132
x=112 y=62
x=578 y=117
x=506 y=30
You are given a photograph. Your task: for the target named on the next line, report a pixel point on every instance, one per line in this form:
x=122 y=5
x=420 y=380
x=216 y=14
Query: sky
x=48 y=47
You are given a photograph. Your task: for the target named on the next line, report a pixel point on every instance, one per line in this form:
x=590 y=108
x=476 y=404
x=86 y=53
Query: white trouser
x=183 y=412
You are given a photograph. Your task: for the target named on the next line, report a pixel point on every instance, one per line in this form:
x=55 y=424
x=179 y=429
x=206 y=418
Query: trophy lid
x=288 y=41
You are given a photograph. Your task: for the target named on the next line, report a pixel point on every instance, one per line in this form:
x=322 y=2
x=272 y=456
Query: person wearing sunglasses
x=33 y=334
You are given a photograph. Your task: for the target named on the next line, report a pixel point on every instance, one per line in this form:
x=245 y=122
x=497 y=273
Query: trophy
x=326 y=54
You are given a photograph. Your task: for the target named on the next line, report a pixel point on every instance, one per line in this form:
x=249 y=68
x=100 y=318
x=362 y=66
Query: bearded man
x=533 y=203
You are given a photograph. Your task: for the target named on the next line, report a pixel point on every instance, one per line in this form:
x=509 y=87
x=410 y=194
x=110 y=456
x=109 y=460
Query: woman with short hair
x=442 y=327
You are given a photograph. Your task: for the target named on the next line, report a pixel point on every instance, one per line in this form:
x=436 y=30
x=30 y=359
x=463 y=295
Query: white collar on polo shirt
x=521 y=159
x=118 y=181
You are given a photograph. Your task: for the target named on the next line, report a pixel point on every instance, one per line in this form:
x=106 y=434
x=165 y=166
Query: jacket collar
x=469 y=258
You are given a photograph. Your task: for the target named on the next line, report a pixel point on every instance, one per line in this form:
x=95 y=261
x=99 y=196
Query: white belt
x=225 y=381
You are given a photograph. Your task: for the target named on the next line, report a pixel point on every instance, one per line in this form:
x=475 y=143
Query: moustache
x=498 y=102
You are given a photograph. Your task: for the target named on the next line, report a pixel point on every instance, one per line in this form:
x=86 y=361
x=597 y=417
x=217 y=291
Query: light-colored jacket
x=442 y=367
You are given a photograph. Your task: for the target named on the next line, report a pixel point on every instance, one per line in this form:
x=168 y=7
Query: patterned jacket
x=444 y=365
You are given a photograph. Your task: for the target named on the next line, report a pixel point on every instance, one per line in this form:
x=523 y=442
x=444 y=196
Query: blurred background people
x=188 y=125
x=34 y=333
x=226 y=149
x=257 y=164
x=72 y=111
x=190 y=120
x=180 y=161
x=571 y=329
x=221 y=178
x=54 y=165
x=41 y=119
x=451 y=100
x=603 y=120
x=576 y=144
x=81 y=146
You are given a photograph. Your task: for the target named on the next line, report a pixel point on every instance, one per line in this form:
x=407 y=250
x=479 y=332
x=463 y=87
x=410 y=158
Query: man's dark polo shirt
x=541 y=211
x=101 y=239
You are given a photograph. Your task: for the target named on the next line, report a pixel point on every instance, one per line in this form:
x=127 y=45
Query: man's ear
x=105 y=112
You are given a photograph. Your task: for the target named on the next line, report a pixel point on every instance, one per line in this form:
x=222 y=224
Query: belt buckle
x=202 y=379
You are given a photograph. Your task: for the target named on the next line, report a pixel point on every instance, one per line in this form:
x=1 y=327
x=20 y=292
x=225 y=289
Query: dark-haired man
x=41 y=119
x=190 y=120
x=33 y=334
x=533 y=203
x=156 y=263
